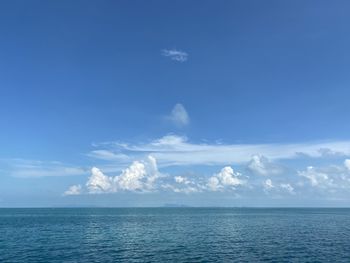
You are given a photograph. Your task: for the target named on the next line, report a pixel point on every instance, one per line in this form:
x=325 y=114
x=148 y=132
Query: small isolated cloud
x=179 y=115
x=73 y=190
x=269 y=186
x=288 y=188
x=176 y=55
x=225 y=178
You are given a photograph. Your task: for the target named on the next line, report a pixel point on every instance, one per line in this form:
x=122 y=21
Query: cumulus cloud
x=181 y=180
x=99 y=183
x=183 y=185
x=327 y=178
x=176 y=55
x=73 y=190
x=269 y=186
x=315 y=177
x=173 y=150
x=347 y=164
x=140 y=176
x=262 y=166
x=179 y=115
x=225 y=178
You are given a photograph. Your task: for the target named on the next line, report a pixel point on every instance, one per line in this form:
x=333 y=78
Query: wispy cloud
x=179 y=116
x=34 y=168
x=261 y=165
x=73 y=190
x=173 y=150
x=174 y=54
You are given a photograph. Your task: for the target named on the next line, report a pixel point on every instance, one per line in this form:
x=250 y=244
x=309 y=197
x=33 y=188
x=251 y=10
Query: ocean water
x=174 y=235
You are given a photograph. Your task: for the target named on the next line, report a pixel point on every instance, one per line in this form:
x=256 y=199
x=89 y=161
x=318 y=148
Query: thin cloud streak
x=173 y=150
x=33 y=168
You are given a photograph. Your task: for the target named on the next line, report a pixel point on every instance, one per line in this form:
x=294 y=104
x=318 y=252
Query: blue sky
x=146 y=103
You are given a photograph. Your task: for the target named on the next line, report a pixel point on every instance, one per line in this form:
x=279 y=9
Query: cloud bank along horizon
x=263 y=167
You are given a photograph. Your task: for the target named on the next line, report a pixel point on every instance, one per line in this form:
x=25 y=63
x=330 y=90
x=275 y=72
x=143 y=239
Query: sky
x=157 y=103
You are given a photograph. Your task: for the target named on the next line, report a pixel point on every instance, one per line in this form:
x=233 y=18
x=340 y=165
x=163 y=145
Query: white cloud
x=225 y=178
x=315 y=177
x=108 y=155
x=181 y=180
x=177 y=55
x=73 y=190
x=178 y=189
x=328 y=178
x=98 y=182
x=288 y=188
x=347 y=164
x=268 y=184
x=139 y=176
x=269 y=187
x=179 y=115
x=184 y=185
x=173 y=150
x=262 y=166
x=34 y=168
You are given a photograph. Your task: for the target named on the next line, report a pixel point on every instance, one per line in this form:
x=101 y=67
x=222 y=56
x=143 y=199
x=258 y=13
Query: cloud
x=315 y=177
x=288 y=188
x=99 y=183
x=140 y=176
x=174 y=150
x=108 y=155
x=225 y=178
x=34 y=168
x=184 y=185
x=327 y=178
x=269 y=186
x=347 y=164
x=176 y=55
x=73 y=190
x=181 y=180
x=179 y=116
x=143 y=176
x=262 y=166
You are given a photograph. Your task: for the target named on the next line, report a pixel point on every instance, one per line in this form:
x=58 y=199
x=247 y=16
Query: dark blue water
x=174 y=234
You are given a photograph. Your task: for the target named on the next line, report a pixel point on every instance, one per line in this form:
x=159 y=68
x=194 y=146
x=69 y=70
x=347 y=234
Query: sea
x=174 y=235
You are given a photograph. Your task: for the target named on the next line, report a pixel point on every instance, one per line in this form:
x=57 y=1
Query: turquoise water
x=174 y=234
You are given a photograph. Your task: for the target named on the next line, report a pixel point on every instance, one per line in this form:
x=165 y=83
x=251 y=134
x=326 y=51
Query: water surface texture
x=174 y=234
